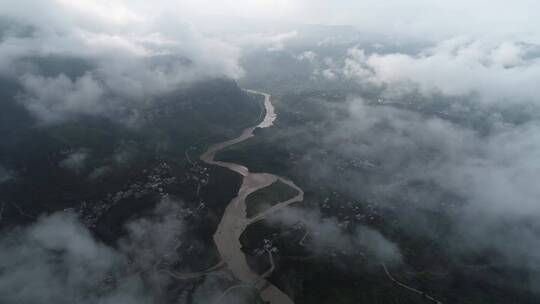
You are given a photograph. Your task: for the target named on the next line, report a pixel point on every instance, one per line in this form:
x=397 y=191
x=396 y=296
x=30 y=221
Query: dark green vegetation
x=267 y=197
x=329 y=277
x=306 y=144
x=109 y=172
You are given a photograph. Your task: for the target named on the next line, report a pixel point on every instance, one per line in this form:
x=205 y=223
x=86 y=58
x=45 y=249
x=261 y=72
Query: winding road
x=235 y=221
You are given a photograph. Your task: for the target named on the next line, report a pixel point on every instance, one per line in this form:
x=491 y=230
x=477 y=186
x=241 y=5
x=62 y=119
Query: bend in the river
x=235 y=221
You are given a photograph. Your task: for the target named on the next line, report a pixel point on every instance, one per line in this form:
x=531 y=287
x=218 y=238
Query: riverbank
x=235 y=220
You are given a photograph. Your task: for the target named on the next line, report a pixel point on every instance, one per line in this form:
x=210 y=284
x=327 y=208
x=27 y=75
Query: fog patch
x=54 y=99
x=6 y=175
x=273 y=42
x=157 y=237
x=57 y=260
x=483 y=182
x=99 y=172
x=76 y=161
x=495 y=71
x=326 y=233
x=124 y=154
x=128 y=63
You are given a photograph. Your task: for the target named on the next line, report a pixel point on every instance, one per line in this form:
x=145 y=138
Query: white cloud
x=134 y=55
x=307 y=55
x=125 y=39
x=271 y=41
x=54 y=261
x=402 y=18
x=495 y=72
x=327 y=234
x=482 y=182
x=508 y=54
x=54 y=99
x=5 y=175
x=425 y=19
x=57 y=260
x=75 y=161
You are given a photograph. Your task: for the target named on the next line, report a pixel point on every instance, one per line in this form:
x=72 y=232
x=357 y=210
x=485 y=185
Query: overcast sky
x=434 y=18
x=422 y=17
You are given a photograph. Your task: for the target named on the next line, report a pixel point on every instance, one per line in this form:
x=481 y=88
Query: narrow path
x=235 y=221
x=192 y=275
x=409 y=288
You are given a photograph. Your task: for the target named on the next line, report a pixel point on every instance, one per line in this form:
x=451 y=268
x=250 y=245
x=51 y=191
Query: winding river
x=235 y=221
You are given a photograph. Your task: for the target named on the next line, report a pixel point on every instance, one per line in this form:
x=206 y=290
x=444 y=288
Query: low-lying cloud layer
x=5 y=175
x=57 y=260
x=484 y=183
x=493 y=72
x=120 y=57
x=75 y=161
x=326 y=235
x=129 y=53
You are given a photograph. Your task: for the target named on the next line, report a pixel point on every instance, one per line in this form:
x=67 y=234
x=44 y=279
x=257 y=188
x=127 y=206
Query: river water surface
x=235 y=221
